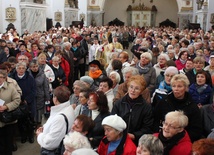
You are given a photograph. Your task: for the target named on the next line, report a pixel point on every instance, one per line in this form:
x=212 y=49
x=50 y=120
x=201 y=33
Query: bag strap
x=66 y=120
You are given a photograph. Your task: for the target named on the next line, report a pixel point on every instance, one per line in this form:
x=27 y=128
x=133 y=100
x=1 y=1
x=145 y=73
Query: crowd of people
x=100 y=98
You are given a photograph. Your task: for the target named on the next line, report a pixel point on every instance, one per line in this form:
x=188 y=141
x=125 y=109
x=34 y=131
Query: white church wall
x=117 y=8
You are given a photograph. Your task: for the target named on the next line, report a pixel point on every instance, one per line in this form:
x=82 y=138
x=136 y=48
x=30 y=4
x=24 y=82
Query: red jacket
x=184 y=146
x=66 y=67
x=129 y=148
x=179 y=65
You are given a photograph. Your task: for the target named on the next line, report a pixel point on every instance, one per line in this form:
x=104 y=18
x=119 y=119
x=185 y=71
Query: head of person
x=136 y=57
x=211 y=61
x=79 y=86
x=136 y=85
x=3 y=76
x=105 y=84
x=174 y=123
x=115 y=77
x=5 y=67
x=171 y=53
x=201 y=77
x=83 y=124
x=155 y=51
x=169 y=73
x=183 y=54
x=84 y=151
x=61 y=95
x=203 y=147
x=21 y=68
x=199 y=53
x=191 y=49
x=22 y=47
x=88 y=80
x=12 y=60
x=199 y=63
x=180 y=85
x=34 y=66
x=23 y=58
x=50 y=48
x=73 y=141
x=145 y=58
x=94 y=65
x=113 y=126
x=129 y=72
x=67 y=46
x=55 y=61
x=83 y=97
x=98 y=101
x=162 y=59
x=189 y=64
x=34 y=47
x=42 y=58
x=149 y=145
x=116 y=64
x=6 y=50
x=124 y=56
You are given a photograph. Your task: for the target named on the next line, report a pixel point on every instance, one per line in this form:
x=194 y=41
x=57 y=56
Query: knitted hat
x=115 y=122
x=172 y=70
x=84 y=151
x=87 y=79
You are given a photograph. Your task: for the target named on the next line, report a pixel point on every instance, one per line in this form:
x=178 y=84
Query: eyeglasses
x=167 y=75
x=134 y=88
x=170 y=126
x=22 y=59
x=76 y=88
x=2 y=77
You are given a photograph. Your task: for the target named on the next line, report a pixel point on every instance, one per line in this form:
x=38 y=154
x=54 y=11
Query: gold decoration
x=58 y=16
x=10 y=14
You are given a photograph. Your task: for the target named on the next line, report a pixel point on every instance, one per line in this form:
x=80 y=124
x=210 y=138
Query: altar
x=141 y=16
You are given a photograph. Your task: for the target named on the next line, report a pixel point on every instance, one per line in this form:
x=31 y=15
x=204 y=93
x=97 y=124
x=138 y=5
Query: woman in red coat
x=116 y=141
x=182 y=59
x=175 y=139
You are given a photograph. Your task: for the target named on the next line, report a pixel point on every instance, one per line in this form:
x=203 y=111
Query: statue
x=76 y=3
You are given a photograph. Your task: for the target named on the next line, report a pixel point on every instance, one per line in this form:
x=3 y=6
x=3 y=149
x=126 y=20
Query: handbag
x=10 y=116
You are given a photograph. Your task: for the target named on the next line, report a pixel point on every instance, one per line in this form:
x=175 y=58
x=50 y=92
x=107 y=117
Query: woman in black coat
x=98 y=106
x=58 y=72
x=134 y=110
x=180 y=99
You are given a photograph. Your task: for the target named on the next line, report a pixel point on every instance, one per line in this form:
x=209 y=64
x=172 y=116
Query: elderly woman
x=90 y=82
x=175 y=139
x=162 y=63
x=98 y=104
x=82 y=108
x=28 y=86
x=42 y=88
x=179 y=99
x=11 y=98
x=200 y=91
x=58 y=124
x=115 y=77
x=182 y=58
x=77 y=87
x=134 y=110
x=73 y=141
x=116 y=140
x=146 y=70
x=149 y=145
x=164 y=87
x=46 y=68
x=58 y=72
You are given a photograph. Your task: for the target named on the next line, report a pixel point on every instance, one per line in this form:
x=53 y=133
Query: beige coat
x=12 y=98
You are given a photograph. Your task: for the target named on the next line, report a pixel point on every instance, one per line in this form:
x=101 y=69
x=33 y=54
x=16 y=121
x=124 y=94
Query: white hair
x=76 y=140
x=117 y=76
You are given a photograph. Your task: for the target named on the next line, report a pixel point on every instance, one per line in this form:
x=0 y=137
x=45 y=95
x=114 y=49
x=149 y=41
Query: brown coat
x=12 y=98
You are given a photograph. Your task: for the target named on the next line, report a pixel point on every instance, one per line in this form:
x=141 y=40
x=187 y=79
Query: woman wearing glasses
x=179 y=99
x=134 y=110
x=173 y=136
